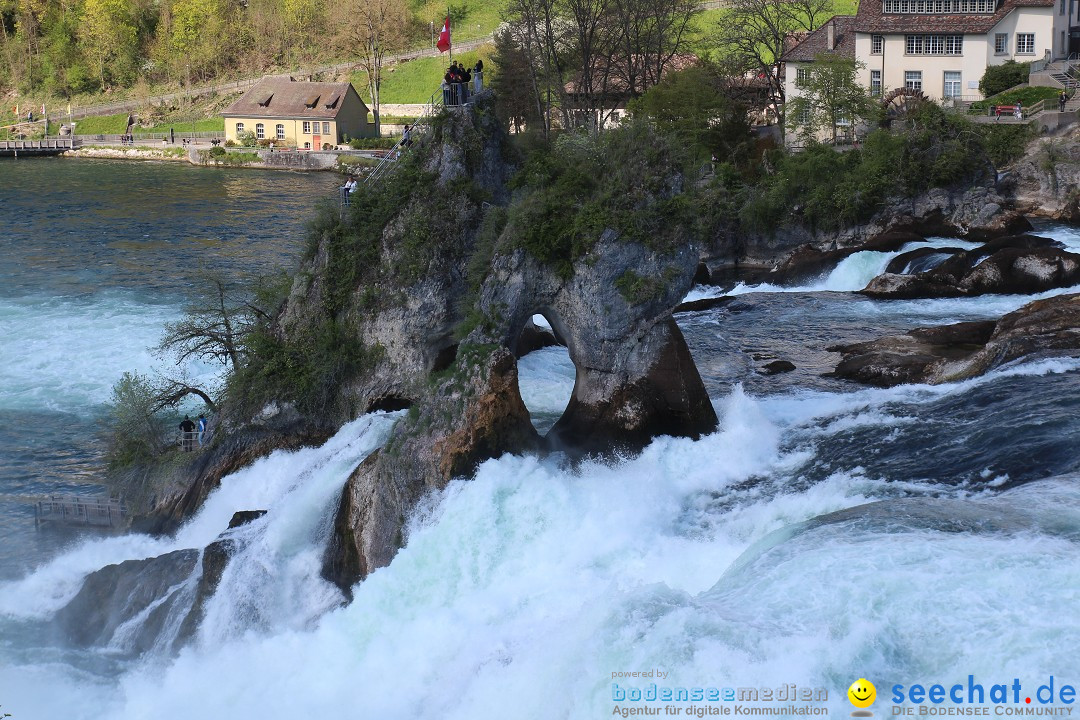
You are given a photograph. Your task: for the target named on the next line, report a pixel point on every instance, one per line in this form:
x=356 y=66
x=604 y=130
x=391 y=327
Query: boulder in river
x=955 y=352
x=1019 y=265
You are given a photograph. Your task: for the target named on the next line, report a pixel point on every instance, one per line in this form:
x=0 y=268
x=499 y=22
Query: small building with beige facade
x=939 y=47
x=305 y=115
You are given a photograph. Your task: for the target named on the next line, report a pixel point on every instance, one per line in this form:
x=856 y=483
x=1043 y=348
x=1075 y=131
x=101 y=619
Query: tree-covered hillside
x=64 y=48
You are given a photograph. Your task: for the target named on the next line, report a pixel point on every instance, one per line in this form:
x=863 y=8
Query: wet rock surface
x=116 y=594
x=1048 y=327
x=1022 y=264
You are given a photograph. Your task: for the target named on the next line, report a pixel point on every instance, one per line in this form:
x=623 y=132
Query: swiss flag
x=444 y=36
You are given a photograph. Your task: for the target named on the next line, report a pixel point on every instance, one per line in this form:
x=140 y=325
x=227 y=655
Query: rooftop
x=871 y=18
x=287 y=98
x=817 y=42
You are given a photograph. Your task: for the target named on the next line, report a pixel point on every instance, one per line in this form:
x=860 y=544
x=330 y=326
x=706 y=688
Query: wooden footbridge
x=74 y=509
x=30 y=148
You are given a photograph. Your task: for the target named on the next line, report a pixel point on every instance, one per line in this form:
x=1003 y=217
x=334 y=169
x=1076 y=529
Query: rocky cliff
x=431 y=278
x=1046 y=181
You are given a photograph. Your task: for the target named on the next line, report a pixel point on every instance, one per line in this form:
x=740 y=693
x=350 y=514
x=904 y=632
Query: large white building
x=941 y=47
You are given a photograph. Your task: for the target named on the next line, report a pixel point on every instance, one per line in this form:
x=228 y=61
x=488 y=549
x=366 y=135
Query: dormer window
x=311 y=102
x=266 y=101
x=332 y=102
x=938 y=7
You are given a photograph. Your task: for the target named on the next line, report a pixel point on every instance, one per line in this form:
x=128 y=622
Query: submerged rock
x=777 y=366
x=157 y=602
x=920 y=260
x=963 y=350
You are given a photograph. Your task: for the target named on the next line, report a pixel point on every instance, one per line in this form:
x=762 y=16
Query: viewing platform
x=99 y=511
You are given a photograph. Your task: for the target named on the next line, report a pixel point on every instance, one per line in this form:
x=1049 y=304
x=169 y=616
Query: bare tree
x=214 y=323
x=589 y=56
x=538 y=29
x=753 y=34
x=376 y=28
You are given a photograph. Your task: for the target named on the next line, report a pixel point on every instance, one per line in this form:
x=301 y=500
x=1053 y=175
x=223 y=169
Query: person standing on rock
x=201 y=426
x=448 y=85
x=187 y=433
x=478 y=76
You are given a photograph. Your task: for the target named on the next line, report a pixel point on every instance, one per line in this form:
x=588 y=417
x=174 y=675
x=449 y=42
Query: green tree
x=751 y=34
x=515 y=83
x=197 y=33
x=108 y=38
x=136 y=434
x=691 y=105
x=830 y=96
x=999 y=78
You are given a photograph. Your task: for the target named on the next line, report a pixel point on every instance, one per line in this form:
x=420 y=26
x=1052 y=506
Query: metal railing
x=1040 y=65
x=435 y=103
x=74 y=509
x=46 y=144
x=137 y=137
x=193 y=441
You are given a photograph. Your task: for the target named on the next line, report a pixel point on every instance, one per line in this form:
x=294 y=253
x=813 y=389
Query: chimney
x=831 y=30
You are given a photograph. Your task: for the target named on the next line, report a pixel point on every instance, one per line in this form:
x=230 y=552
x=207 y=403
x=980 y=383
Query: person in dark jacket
x=187 y=429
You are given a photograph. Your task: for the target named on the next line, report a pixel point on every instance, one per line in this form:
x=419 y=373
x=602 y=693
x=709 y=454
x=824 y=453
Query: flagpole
x=450 y=34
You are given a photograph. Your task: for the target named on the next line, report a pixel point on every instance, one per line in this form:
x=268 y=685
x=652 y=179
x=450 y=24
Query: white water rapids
x=519 y=592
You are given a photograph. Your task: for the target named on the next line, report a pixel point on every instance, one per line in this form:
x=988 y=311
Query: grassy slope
x=480 y=17
x=115 y=124
x=415 y=81
x=1027 y=95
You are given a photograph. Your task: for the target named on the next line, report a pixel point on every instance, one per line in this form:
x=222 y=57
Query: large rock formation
x=105 y=609
x=156 y=602
x=445 y=293
x=1046 y=181
x=474 y=413
x=954 y=352
x=635 y=378
x=1019 y=265
x=981 y=212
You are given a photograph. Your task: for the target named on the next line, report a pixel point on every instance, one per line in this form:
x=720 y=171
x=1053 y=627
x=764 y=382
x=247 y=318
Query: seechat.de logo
x=862 y=694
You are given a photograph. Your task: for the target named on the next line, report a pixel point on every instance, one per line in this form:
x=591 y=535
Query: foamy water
x=521 y=591
x=518 y=593
x=70 y=351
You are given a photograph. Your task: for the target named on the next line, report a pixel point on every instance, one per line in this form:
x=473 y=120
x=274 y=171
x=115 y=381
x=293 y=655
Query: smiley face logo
x=862 y=693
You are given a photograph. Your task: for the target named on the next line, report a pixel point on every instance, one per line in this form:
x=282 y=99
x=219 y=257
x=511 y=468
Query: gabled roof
x=817 y=42
x=287 y=98
x=870 y=18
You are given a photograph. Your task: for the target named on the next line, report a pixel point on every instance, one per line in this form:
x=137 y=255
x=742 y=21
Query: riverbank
x=260 y=159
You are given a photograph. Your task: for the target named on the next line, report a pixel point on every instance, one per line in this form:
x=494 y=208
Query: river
x=520 y=593
x=95 y=257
